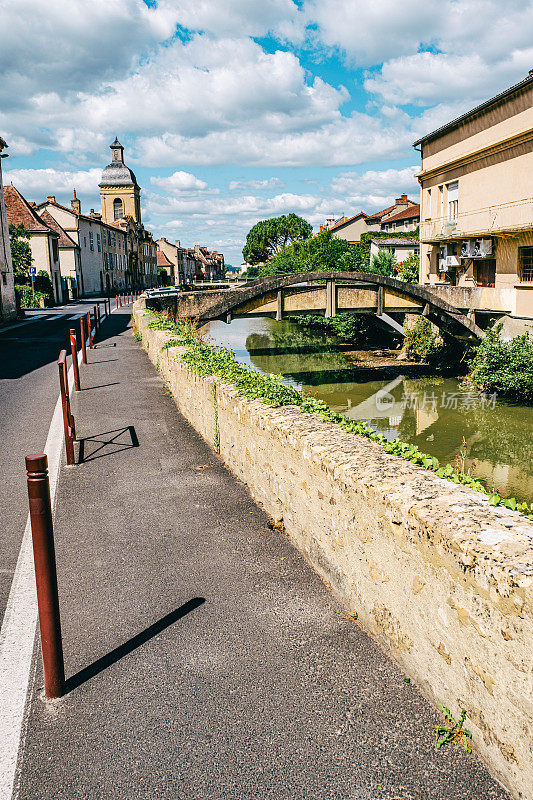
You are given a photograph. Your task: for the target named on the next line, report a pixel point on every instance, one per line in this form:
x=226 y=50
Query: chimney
x=402 y=201
x=178 y=243
x=51 y=198
x=75 y=204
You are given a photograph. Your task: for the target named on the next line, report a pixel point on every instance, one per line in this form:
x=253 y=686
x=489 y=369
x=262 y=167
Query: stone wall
x=442 y=580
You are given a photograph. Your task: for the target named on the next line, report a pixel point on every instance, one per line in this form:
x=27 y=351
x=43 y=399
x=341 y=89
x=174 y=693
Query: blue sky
x=234 y=111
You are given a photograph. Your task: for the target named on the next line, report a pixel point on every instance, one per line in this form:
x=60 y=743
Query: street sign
x=32 y=270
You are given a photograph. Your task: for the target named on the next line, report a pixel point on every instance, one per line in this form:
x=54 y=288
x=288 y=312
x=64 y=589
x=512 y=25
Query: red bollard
x=74 y=351
x=69 y=425
x=45 y=574
x=89 y=331
x=82 y=340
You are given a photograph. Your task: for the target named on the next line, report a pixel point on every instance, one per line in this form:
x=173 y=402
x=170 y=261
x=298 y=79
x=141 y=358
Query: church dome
x=118 y=174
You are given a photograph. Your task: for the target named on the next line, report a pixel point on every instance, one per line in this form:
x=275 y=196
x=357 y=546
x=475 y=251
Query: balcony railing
x=491 y=220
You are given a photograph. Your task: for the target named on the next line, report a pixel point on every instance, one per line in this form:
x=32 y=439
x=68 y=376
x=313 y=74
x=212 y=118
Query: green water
x=434 y=413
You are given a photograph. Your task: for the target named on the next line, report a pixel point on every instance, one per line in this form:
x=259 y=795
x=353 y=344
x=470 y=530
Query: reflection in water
x=434 y=413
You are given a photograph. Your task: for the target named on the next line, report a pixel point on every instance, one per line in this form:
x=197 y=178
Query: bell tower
x=119 y=191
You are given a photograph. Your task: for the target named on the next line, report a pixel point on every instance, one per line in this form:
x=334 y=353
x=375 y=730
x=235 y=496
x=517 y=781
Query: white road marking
x=19 y=626
x=20 y=324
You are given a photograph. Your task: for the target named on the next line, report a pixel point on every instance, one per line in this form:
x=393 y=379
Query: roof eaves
x=517 y=87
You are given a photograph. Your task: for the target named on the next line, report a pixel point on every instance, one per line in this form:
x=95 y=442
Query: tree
x=267 y=236
x=384 y=263
x=20 y=252
x=409 y=269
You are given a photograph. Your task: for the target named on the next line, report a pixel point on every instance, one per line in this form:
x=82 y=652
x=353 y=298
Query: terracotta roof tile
x=163 y=260
x=406 y=213
x=347 y=221
x=19 y=211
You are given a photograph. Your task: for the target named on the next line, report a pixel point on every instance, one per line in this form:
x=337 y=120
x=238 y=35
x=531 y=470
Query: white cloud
x=38 y=183
x=373 y=183
x=68 y=45
x=248 y=205
x=258 y=185
x=179 y=182
x=345 y=140
x=368 y=32
x=193 y=89
x=241 y=17
x=424 y=78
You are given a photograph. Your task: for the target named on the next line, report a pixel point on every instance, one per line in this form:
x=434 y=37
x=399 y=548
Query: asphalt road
x=28 y=394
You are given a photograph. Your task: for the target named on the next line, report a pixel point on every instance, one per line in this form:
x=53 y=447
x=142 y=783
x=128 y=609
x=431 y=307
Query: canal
x=435 y=413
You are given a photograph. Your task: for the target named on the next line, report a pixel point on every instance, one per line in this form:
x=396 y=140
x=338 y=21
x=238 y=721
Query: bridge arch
x=328 y=293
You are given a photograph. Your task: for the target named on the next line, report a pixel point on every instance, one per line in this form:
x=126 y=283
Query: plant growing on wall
x=421 y=342
x=206 y=360
x=453 y=733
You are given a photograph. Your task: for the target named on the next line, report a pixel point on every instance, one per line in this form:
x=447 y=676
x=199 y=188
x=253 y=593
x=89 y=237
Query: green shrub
x=384 y=263
x=43 y=283
x=26 y=298
x=504 y=367
x=409 y=269
x=354 y=328
x=421 y=342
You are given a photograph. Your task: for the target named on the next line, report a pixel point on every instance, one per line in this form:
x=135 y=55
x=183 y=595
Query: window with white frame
x=453 y=201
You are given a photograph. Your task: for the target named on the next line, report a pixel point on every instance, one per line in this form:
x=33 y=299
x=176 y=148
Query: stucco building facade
x=102 y=248
x=43 y=241
x=476 y=227
x=403 y=216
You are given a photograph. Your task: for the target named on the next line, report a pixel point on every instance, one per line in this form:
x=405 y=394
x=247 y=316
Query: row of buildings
x=401 y=217
x=96 y=252
x=475 y=215
x=185 y=266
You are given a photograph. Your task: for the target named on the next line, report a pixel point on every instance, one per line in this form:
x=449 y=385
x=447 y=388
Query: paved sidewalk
x=206 y=660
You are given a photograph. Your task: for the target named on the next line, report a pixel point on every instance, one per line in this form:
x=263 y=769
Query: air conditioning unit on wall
x=476 y=248
x=466 y=249
x=481 y=248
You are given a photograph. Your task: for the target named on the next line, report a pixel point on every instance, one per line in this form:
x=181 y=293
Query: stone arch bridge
x=323 y=293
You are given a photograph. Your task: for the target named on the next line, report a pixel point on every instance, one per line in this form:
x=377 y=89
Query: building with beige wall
x=43 y=240
x=182 y=259
x=8 y=306
x=120 y=195
x=404 y=215
x=476 y=228
x=102 y=248
x=401 y=248
x=69 y=258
